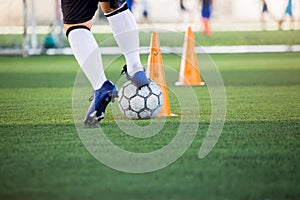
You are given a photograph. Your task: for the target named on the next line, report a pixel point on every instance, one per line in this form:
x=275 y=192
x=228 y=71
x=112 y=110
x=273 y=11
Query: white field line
x=169 y=50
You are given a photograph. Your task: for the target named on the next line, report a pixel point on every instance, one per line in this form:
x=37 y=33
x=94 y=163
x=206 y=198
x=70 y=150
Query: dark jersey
x=79 y=11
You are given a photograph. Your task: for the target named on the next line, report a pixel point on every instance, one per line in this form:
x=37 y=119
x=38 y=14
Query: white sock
x=88 y=56
x=126 y=34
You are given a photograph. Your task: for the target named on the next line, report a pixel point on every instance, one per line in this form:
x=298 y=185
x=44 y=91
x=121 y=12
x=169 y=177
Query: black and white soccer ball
x=140 y=103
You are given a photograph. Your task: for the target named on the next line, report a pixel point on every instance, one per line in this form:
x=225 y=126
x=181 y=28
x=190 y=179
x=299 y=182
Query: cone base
x=184 y=84
x=166 y=115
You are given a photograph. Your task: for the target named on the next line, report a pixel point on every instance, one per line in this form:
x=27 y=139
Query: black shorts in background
x=79 y=11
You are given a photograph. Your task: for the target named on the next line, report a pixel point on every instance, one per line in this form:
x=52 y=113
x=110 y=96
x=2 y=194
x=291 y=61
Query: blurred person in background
x=266 y=13
x=206 y=11
x=287 y=13
x=182 y=7
x=145 y=9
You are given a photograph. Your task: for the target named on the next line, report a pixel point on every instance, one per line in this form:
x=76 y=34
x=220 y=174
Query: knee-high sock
x=126 y=34
x=88 y=56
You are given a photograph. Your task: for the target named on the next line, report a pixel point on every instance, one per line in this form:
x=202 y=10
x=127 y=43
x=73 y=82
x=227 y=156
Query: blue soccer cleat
x=102 y=97
x=139 y=78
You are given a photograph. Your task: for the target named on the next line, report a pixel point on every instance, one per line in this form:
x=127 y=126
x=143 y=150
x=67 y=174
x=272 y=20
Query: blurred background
x=23 y=20
x=166 y=11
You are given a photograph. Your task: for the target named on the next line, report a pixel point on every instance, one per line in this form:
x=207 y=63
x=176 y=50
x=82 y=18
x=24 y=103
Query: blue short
x=206 y=12
x=289 y=11
x=265 y=8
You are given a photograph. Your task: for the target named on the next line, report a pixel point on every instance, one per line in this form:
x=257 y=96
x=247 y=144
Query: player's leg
x=77 y=18
x=86 y=52
x=78 y=22
x=264 y=12
x=126 y=34
x=206 y=12
x=289 y=12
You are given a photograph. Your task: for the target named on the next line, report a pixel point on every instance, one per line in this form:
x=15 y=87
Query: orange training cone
x=189 y=69
x=155 y=71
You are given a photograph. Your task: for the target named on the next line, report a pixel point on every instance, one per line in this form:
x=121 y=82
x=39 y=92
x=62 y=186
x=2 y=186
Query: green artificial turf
x=256 y=157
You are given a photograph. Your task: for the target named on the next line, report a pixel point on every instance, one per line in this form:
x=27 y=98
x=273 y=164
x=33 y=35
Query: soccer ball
x=140 y=103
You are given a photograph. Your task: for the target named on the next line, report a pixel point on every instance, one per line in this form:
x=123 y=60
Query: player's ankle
x=134 y=70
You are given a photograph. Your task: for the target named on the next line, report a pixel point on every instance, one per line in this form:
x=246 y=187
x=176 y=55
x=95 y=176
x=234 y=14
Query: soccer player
x=206 y=14
x=77 y=16
x=264 y=12
x=145 y=9
x=288 y=12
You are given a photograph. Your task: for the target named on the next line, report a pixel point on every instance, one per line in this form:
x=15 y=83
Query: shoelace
x=124 y=70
